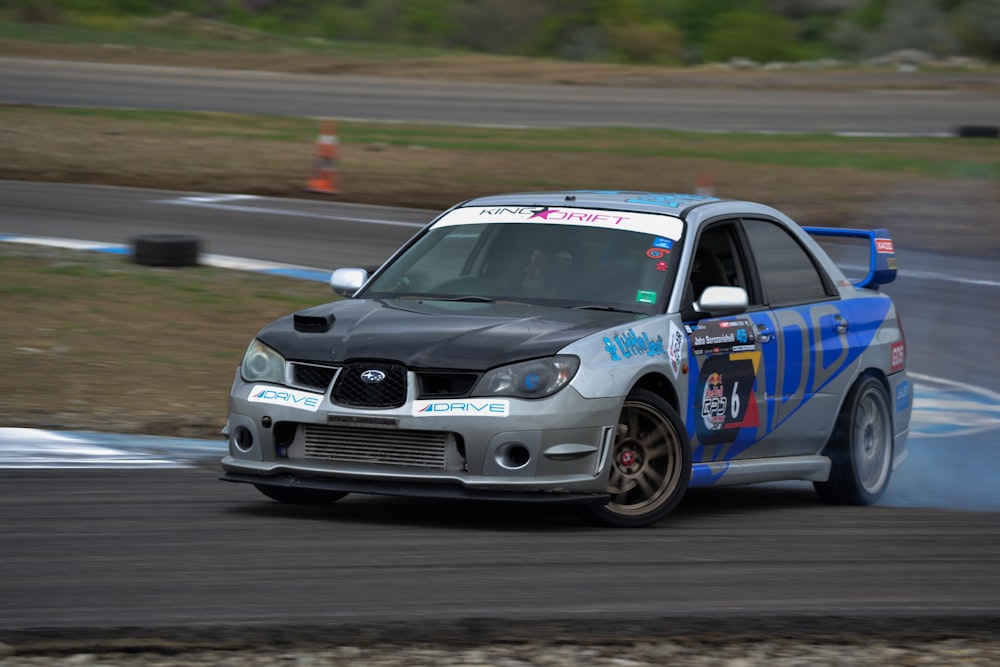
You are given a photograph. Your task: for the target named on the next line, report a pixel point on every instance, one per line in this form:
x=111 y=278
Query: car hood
x=433 y=334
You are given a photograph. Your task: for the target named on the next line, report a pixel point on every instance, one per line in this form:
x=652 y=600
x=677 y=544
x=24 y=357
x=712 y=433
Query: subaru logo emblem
x=372 y=376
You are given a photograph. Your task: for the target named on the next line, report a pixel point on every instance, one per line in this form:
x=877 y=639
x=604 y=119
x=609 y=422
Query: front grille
x=371 y=385
x=314 y=377
x=421 y=449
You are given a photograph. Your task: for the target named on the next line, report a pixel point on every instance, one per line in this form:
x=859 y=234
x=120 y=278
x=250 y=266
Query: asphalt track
x=115 y=532
x=905 y=103
x=131 y=545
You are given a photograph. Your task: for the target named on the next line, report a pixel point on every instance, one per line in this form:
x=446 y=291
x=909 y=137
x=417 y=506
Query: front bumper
x=414 y=490
x=552 y=449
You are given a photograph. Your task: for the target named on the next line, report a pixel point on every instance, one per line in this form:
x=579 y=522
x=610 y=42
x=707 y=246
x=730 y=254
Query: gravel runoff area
x=707 y=642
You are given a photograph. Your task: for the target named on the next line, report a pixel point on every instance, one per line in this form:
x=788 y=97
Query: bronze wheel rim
x=647 y=467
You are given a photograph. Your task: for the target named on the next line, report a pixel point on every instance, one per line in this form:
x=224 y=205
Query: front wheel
x=651 y=463
x=861 y=447
x=284 y=494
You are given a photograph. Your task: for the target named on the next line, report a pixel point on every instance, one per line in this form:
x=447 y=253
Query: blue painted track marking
x=217 y=261
x=35 y=448
x=943 y=408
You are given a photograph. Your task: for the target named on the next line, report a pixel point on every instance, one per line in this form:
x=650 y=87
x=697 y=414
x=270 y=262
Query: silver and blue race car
x=604 y=349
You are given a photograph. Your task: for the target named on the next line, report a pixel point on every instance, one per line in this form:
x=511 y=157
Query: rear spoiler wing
x=882 y=255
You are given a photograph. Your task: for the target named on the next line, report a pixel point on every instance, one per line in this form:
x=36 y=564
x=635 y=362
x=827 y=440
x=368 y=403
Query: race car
x=604 y=349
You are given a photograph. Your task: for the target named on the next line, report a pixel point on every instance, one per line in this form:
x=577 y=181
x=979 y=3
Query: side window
x=789 y=274
x=716 y=260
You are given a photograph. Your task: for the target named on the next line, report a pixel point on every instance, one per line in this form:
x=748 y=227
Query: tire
x=284 y=494
x=650 y=466
x=861 y=447
x=165 y=250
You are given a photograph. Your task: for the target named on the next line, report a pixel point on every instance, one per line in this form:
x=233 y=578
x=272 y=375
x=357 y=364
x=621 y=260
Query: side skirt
x=754 y=471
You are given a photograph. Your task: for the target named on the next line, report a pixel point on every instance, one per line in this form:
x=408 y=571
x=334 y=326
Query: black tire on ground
x=978 y=131
x=861 y=447
x=650 y=464
x=283 y=494
x=165 y=250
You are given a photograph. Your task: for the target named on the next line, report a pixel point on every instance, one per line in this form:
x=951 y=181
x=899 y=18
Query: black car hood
x=433 y=334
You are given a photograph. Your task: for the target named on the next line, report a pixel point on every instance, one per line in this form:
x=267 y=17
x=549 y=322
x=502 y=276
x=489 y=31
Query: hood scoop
x=313 y=323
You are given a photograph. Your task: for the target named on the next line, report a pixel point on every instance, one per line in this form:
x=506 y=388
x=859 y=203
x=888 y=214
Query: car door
x=726 y=353
x=808 y=348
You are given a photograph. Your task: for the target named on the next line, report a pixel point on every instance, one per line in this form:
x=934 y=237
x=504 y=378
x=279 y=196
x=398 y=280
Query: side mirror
x=721 y=301
x=346 y=282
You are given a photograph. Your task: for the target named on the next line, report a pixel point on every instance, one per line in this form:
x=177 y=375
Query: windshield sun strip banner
x=646 y=223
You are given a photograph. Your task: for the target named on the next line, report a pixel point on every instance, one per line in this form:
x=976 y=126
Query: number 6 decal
x=724 y=399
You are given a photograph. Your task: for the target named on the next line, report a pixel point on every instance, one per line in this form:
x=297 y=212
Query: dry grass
x=926 y=185
x=93 y=341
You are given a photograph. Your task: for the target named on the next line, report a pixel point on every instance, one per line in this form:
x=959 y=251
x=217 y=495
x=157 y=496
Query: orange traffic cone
x=705 y=185
x=325 y=178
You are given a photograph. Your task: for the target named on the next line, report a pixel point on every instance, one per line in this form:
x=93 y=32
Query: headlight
x=262 y=364
x=537 y=378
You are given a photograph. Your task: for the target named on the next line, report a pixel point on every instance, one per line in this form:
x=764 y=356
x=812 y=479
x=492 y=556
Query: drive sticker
x=288 y=397
x=656 y=253
x=660 y=242
x=473 y=407
x=723 y=336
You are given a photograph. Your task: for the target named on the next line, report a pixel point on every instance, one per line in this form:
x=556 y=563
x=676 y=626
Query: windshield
x=585 y=259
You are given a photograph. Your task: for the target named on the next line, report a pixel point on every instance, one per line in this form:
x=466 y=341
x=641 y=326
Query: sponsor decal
x=675 y=349
x=655 y=253
x=725 y=399
x=656 y=225
x=555 y=214
x=290 y=398
x=713 y=403
x=645 y=296
x=631 y=344
x=883 y=246
x=661 y=266
x=902 y=395
x=723 y=336
x=483 y=407
x=670 y=200
x=897 y=357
